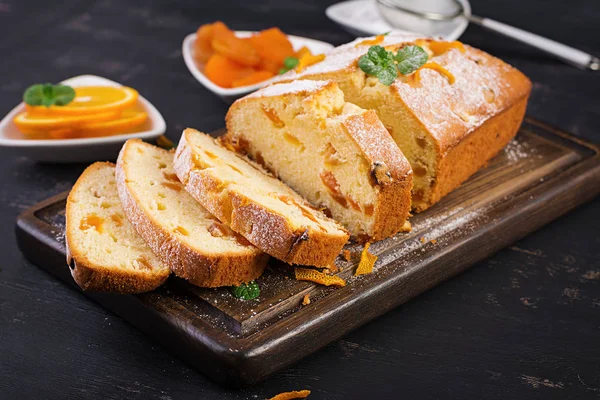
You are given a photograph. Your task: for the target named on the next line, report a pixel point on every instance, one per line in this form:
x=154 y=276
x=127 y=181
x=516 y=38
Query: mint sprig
x=385 y=65
x=410 y=59
x=47 y=94
x=246 y=291
x=380 y=63
x=288 y=64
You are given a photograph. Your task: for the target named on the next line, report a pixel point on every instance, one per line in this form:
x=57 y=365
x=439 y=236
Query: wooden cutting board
x=541 y=175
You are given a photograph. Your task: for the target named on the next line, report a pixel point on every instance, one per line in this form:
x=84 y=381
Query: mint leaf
x=388 y=75
x=380 y=63
x=378 y=53
x=246 y=291
x=368 y=66
x=48 y=94
x=63 y=95
x=34 y=95
x=288 y=64
x=410 y=58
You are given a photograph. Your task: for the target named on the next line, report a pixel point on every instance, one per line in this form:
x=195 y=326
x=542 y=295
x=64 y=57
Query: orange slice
x=128 y=120
x=125 y=123
x=92 y=100
x=27 y=122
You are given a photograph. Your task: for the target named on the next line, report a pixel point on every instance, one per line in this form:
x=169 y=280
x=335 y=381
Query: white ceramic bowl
x=230 y=95
x=84 y=149
x=363 y=18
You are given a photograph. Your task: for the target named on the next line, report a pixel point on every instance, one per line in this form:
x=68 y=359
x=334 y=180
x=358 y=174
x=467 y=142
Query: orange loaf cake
x=449 y=118
x=337 y=155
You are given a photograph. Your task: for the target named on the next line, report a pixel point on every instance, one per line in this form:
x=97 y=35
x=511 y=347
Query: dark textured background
x=522 y=324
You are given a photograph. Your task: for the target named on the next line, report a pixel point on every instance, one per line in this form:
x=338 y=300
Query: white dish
x=230 y=95
x=362 y=18
x=78 y=150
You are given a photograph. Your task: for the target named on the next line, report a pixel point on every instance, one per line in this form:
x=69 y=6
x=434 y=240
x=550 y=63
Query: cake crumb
x=332 y=269
x=407 y=227
x=306 y=299
x=347 y=255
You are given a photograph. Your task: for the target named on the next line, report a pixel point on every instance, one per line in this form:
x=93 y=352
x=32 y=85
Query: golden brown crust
x=200 y=269
x=92 y=277
x=274 y=234
x=261 y=226
x=485 y=86
x=476 y=150
x=392 y=204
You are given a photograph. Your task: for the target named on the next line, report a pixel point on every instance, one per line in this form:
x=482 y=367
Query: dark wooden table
x=523 y=324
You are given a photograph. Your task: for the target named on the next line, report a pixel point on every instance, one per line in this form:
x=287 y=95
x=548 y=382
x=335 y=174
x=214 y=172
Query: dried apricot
x=253 y=78
x=269 y=65
x=234 y=48
x=223 y=71
x=203 y=46
x=272 y=44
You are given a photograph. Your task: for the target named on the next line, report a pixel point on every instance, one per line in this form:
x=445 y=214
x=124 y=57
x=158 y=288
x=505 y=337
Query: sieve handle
x=566 y=53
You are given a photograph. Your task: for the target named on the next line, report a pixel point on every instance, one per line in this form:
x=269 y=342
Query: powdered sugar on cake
x=298 y=86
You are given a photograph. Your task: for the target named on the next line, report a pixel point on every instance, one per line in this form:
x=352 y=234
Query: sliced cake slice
x=339 y=156
x=264 y=210
x=189 y=239
x=104 y=251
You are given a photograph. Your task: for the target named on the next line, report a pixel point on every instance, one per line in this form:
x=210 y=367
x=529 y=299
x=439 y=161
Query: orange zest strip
x=436 y=67
x=164 y=142
x=441 y=47
x=308 y=59
x=367 y=261
x=301 y=394
x=312 y=275
x=371 y=42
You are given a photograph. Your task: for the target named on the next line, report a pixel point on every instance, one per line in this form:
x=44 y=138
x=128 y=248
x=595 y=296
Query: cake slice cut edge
x=255 y=204
x=104 y=252
x=335 y=154
x=190 y=240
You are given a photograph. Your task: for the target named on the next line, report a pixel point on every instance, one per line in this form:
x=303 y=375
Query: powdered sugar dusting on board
x=299 y=86
x=432 y=230
x=516 y=150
